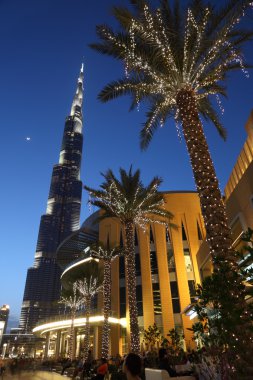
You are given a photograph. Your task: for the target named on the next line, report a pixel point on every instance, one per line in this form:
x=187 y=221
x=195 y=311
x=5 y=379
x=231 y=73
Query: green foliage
x=176 y=340
x=223 y=329
x=128 y=199
x=152 y=335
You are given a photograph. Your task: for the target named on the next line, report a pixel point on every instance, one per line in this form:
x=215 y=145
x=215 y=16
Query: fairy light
x=73 y=302
x=87 y=287
x=220 y=104
x=178 y=86
x=107 y=256
x=139 y=207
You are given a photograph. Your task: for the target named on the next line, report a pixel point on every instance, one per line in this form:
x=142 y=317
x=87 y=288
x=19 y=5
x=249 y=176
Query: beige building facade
x=166 y=267
x=166 y=274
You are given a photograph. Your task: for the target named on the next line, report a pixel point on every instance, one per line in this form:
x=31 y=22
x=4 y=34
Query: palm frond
x=172 y=48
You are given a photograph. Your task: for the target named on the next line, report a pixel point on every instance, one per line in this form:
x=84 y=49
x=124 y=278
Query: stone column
x=114 y=339
x=147 y=292
x=95 y=342
x=62 y=344
x=67 y=345
x=74 y=341
x=57 y=343
x=47 y=344
x=78 y=344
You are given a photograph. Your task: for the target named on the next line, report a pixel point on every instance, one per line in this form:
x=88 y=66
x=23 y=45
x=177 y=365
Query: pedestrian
x=132 y=367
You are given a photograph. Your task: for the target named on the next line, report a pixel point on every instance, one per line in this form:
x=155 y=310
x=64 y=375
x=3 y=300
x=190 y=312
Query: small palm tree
x=73 y=301
x=133 y=204
x=177 y=61
x=107 y=255
x=88 y=287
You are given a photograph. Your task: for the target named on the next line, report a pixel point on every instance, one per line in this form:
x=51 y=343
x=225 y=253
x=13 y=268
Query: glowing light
x=78 y=322
x=79 y=263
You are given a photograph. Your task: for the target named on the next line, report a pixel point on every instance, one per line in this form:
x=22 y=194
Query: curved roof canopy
x=75 y=245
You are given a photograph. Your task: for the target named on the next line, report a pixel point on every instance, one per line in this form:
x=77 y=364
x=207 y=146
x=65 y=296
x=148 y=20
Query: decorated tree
x=134 y=205
x=221 y=330
x=107 y=255
x=73 y=301
x=88 y=287
x=177 y=60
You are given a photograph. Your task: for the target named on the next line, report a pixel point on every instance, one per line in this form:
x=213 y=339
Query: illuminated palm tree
x=107 y=255
x=89 y=286
x=176 y=61
x=73 y=301
x=134 y=205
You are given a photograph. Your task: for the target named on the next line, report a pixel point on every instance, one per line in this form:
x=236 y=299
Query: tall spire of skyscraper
x=76 y=108
x=62 y=217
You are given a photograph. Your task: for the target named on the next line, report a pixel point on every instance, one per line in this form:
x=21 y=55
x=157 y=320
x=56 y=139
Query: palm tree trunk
x=218 y=233
x=71 y=335
x=107 y=308
x=87 y=327
x=131 y=288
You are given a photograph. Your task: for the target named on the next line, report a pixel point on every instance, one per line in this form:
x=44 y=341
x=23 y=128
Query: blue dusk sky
x=42 y=44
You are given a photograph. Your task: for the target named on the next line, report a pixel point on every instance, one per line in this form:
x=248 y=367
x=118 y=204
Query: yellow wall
x=186 y=209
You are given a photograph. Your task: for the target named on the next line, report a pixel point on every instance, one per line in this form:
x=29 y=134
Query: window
x=137 y=265
x=192 y=290
x=139 y=300
x=171 y=260
x=121 y=267
x=174 y=289
x=175 y=297
x=184 y=237
x=176 y=306
x=157 y=299
x=153 y=262
x=122 y=297
x=187 y=259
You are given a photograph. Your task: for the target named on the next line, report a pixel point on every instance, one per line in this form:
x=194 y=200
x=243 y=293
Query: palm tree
x=89 y=286
x=72 y=300
x=107 y=255
x=133 y=204
x=177 y=61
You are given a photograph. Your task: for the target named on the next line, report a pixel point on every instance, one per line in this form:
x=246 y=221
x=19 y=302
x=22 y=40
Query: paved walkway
x=37 y=375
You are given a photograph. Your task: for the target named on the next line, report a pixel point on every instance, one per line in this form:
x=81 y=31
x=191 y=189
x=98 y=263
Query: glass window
x=192 y=290
x=153 y=262
x=174 y=289
x=137 y=265
x=187 y=259
x=157 y=299
x=139 y=300
x=184 y=237
x=121 y=267
x=176 y=306
x=122 y=295
x=171 y=260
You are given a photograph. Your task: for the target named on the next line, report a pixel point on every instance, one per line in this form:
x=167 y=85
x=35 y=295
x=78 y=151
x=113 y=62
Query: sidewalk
x=37 y=375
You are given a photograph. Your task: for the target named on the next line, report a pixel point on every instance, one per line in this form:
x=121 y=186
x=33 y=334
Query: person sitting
x=163 y=363
x=101 y=370
x=132 y=366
